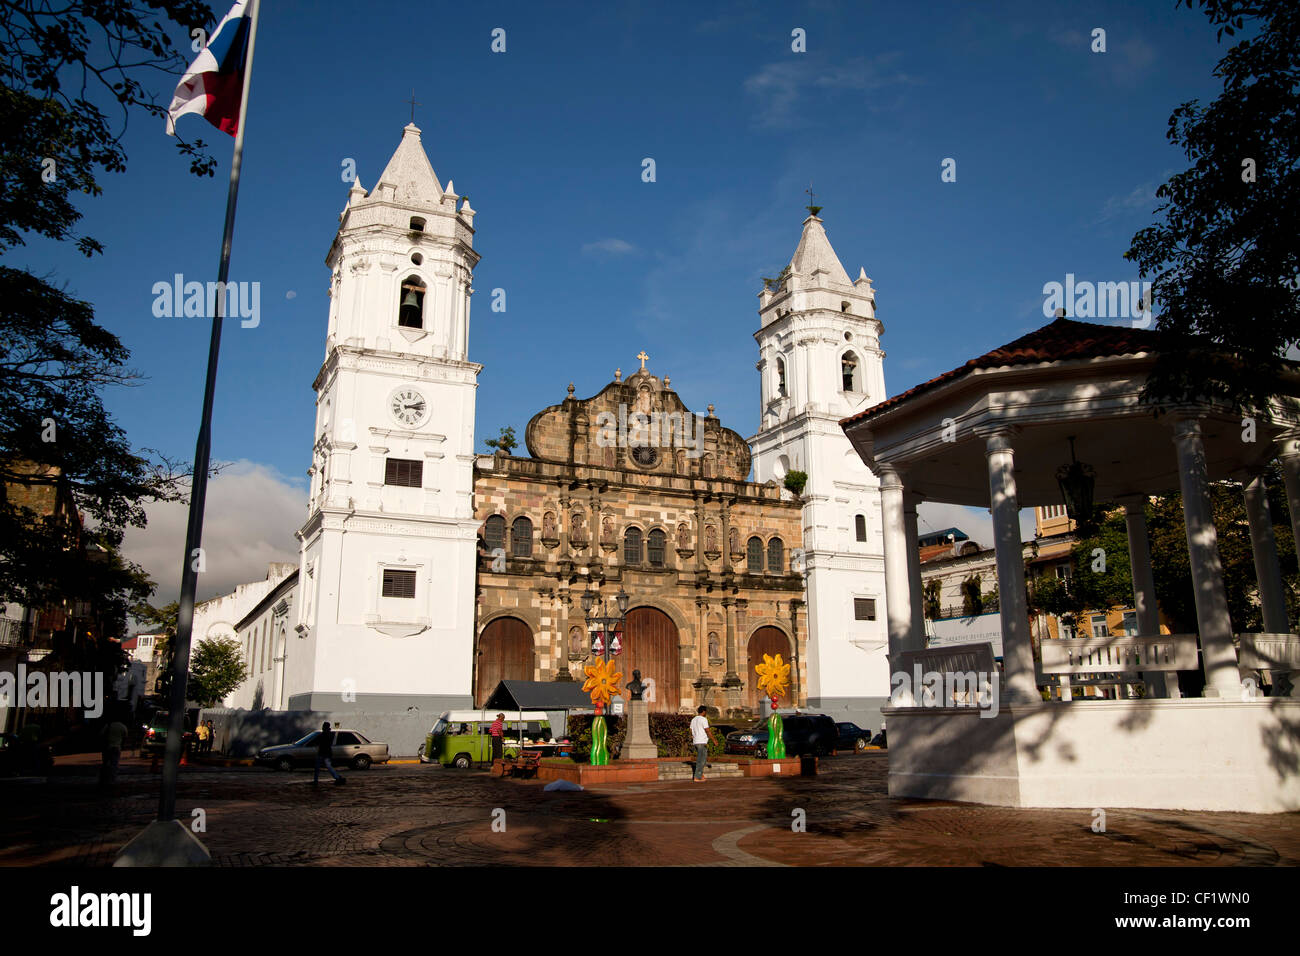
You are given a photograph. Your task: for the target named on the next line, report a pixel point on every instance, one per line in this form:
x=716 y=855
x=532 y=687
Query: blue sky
x=1058 y=149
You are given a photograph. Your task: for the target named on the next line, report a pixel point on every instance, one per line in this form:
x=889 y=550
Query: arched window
x=417 y=224
x=755 y=555
x=860 y=526
x=632 y=546
x=410 y=313
x=521 y=537
x=780 y=377
x=776 y=556
x=494 y=532
x=849 y=372
x=656 y=542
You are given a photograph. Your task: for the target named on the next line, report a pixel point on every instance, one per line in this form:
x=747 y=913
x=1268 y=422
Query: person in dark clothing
x=324 y=751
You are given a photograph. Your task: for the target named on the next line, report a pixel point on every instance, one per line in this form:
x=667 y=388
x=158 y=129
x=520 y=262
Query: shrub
x=795 y=481
x=670 y=732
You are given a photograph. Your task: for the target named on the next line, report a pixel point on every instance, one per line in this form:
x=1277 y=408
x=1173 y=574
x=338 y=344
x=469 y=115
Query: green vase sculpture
x=599 y=752
x=775 y=740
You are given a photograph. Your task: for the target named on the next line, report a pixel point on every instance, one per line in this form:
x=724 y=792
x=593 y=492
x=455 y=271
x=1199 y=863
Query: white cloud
x=250 y=516
x=1141 y=200
x=608 y=247
x=780 y=88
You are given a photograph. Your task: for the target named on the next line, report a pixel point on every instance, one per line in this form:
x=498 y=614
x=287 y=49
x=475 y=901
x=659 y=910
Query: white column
x=1268 y=573
x=910 y=501
x=1159 y=683
x=1218 y=657
x=1017 y=649
x=1289 y=454
x=898 y=591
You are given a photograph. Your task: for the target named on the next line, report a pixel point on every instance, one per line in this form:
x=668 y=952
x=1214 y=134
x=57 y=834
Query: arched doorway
x=505 y=652
x=650 y=646
x=766 y=640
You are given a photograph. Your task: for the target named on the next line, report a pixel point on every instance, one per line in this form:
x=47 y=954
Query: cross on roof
x=414 y=104
x=643 y=357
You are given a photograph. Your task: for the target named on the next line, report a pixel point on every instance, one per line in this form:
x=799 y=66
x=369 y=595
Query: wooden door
x=766 y=640
x=650 y=645
x=505 y=652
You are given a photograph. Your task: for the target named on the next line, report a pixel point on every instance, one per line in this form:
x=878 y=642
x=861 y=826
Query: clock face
x=409 y=407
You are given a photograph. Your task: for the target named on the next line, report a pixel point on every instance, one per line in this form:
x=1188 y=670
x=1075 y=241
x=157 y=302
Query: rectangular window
x=1065 y=630
x=404 y=472
x=864 y=609
x=1131 y=623
x=1099 y=628
x=399 y=584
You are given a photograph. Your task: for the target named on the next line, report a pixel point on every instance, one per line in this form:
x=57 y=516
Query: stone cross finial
x=570 y=390
x=710 y=409
x=414 y=104
x=618 y=375
x=643 y=357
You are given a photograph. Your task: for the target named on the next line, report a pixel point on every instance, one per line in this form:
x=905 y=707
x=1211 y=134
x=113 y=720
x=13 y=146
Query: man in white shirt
x=700 y=738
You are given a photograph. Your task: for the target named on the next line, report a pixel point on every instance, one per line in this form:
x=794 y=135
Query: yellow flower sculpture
x=602 y=681
x=773 y=675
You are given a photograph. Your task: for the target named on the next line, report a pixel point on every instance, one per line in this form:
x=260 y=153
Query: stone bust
x=635 y=687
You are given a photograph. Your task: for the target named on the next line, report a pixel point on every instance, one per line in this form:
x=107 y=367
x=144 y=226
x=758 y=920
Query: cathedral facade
x=631 y=491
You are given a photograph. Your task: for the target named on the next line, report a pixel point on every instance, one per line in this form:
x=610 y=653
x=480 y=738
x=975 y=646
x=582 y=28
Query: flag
x=213 y=84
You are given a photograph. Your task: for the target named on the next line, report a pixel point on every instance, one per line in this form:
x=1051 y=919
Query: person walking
x=114 y=736
x=203 y=733
x=496 y=731
x=324 y=751
x=700 y=738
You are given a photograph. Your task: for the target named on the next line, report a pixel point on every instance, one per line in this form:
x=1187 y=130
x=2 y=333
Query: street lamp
x=605 y=619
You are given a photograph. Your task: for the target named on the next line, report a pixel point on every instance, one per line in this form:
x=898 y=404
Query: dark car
x=350 y=749
x=802 y=734
x=24 y=758
x=852 y=737
x=154 y=740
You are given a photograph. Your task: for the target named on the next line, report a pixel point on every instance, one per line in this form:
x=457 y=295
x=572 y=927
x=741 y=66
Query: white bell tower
x=385 y=607
x=820 y=361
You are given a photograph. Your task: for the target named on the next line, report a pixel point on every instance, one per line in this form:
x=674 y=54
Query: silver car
x=351 y=749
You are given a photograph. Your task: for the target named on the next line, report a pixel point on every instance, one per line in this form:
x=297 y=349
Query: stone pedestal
x=637 y=745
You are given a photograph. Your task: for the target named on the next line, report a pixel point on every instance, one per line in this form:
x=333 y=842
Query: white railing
x=1279 y=654
x=966 y=669
x=1164 y=653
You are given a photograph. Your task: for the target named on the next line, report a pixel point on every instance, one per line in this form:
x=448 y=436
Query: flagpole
x=202 y=454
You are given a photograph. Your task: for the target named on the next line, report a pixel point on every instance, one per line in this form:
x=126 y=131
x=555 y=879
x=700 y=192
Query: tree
x=216 y=669
x=505 y=442
x=62 y=66
x=933 y=591
x=1225 y=260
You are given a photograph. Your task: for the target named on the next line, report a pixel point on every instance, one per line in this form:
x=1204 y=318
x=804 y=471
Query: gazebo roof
x=1061 y=340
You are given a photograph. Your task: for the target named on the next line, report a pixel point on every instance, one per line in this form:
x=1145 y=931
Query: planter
x=762 y=767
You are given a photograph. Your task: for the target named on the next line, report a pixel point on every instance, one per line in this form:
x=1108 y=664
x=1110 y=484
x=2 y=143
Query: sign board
x=980 y=629
x=616 y=706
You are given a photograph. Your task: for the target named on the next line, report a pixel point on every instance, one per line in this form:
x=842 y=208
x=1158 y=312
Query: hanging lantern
x=1077 y=481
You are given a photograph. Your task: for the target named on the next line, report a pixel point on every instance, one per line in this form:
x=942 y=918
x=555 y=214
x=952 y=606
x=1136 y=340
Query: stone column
x=898 y=591
x=917 y=598
x=1218 y=657
x=897 y=588
x=732 y=679
x=1017 y=645
x=796 y=685
x=1159 y=683
x=565 y=600
x=725 y=544
x=1272 y=592
x=1289 y=454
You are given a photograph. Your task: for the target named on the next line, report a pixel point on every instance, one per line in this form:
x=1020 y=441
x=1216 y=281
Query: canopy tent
x=557 y=698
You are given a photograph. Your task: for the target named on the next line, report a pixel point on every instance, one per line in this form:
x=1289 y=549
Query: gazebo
x=1001 y=432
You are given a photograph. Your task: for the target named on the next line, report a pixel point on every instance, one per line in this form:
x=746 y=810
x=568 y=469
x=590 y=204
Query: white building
x=820 y=361
x=384 y=613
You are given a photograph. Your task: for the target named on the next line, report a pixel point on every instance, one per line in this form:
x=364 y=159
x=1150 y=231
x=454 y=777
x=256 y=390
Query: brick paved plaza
x=412 y=815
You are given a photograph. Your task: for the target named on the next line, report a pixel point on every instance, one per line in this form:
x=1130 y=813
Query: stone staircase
x=669 y=770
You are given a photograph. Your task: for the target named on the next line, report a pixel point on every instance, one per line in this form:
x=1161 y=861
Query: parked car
x=155 y=734
x=18 y=757
x=351 y=748
x=460 y=738
x=802 y=734
x=852 y=737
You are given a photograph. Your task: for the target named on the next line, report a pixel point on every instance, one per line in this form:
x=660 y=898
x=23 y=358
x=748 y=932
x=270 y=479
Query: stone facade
x=673 y=481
